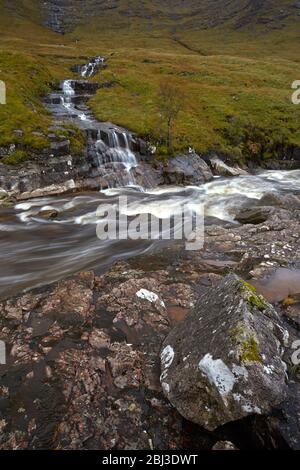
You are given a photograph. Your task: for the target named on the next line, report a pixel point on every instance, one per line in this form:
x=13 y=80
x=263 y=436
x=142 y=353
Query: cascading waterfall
x=119 y=158
x=88 y=70
x=109 y=147
x=68 y=93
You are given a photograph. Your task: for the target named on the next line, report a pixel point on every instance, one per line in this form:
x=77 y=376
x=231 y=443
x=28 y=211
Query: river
x=36 y=250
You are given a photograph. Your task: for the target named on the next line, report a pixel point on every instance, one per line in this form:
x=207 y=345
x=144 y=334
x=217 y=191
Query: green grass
x=27 y=80
x=225 y=97
x=236 y=84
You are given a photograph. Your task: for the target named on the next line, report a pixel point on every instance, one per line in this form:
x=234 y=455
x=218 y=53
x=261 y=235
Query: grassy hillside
x=226 y=97
x=32 y=61
x=236 y=85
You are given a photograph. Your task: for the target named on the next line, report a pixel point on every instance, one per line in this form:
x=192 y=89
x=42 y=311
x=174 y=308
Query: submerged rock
x=223 y=362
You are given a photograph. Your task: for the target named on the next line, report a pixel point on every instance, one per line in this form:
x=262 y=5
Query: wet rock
x=48 y=213
x=84 y=86
x=187 y=169
x=222 y=169
x=83 y=364
x=23 y=181
x=148 y=176
x=3 y=194
x=90 y=68
x=53 y=189
x=60 y=148
x=223 y=362
x=254 y=215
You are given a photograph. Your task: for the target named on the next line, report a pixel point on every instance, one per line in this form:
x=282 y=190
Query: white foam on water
x=88 y=70
x=68 y=92
x=289 y=179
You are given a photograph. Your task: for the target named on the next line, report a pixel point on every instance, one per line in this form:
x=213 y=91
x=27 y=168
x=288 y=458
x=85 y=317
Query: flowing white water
x=37 y=251
x=68 y=92
x=115 y=158
x=89 y=69
x=287 y=180
x=117 y=153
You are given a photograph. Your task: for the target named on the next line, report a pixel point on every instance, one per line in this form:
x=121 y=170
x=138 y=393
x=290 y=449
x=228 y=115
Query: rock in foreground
x=254 y=215
x=224 y=362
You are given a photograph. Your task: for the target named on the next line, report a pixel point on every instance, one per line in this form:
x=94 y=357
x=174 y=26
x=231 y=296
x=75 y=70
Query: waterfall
x=68 y=92
x=117 y=156
x=109 y=148
x=88 y=70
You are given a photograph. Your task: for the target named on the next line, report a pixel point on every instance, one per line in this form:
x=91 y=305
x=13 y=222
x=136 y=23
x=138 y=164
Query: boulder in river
x=223 y=362
x=222 y=169
x=187 y=169
x=48 y=213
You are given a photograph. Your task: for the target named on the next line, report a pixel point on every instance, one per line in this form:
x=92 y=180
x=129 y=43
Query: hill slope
x=189 y=14
x=234 y=61
x=65 y=15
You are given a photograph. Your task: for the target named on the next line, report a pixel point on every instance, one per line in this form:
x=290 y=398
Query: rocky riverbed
x=83 y=355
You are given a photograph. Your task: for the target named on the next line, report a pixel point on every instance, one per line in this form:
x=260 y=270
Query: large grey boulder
x=222 y=169
x=223 y=362
x=187 y=169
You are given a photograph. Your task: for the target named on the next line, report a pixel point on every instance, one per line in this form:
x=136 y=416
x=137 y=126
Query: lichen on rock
x=228 y=357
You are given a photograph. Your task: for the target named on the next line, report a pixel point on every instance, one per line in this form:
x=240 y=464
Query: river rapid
x=38 y=250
